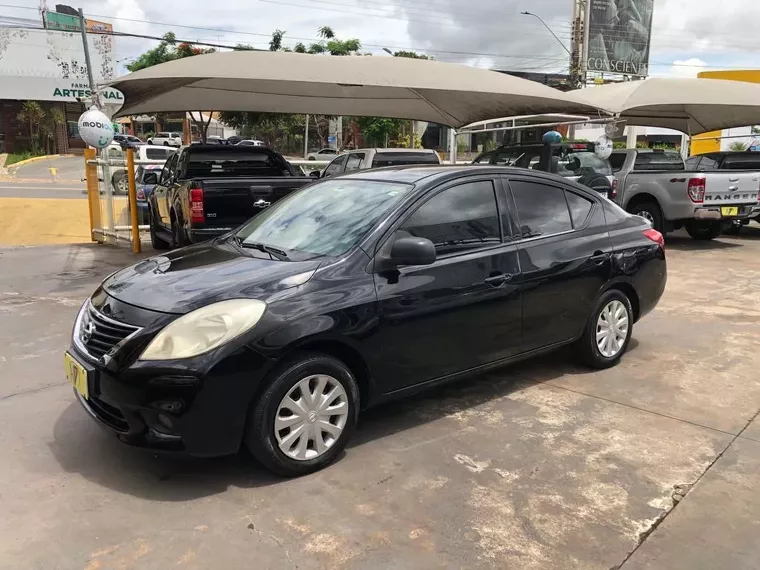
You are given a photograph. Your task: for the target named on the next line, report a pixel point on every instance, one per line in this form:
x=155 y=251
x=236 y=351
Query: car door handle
x=498 y=280
x=600 y=257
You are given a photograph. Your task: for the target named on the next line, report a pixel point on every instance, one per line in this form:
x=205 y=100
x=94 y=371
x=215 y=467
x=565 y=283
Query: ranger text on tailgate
x=208 y=190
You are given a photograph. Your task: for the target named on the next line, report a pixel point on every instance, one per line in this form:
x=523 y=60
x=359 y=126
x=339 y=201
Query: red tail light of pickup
x=696 y=190
x=613 y=194
x=197 y=211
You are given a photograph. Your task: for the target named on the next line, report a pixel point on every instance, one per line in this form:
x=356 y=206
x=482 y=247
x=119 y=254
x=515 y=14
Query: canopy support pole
x=452 y=145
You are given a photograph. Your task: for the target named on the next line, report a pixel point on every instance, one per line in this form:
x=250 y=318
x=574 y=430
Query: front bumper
x=173 y=405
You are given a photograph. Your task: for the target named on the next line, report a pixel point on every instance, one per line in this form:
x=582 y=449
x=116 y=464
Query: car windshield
x=326 y=218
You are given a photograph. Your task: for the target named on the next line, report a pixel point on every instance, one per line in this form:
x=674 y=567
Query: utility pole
x=579 y=55
x=306 y=139
x=88 y=63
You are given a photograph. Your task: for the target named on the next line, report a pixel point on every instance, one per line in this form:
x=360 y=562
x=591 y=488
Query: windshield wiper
x=272 y=251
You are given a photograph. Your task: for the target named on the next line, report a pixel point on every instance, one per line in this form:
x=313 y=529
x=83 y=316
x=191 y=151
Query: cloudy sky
x=688 y=35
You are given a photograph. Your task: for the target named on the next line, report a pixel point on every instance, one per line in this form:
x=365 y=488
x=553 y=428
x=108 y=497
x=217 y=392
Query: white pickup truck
x=655 y=184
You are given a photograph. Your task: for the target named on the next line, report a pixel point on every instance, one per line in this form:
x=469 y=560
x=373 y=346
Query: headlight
x=204 y=329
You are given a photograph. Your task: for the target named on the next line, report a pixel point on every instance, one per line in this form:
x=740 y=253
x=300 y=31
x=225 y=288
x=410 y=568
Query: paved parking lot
x=540 y=466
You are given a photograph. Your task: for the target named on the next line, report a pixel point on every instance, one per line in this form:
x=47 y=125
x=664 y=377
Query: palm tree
x=737 y=146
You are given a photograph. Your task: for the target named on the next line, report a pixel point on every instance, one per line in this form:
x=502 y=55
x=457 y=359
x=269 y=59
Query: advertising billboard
x=69 y=23
x=619 y=36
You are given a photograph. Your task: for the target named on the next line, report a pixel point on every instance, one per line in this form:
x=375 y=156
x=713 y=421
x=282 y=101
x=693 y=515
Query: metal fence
x=112 y=195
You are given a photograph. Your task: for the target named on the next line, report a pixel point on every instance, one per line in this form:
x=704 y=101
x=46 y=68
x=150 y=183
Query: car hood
x=183 y=280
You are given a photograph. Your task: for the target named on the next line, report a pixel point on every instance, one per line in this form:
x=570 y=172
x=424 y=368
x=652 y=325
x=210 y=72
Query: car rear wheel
x=166 y=144
x=608 y=331
x=178 y=233
x=305 y=416
x=650 y=212
x=120 y=183
x=156 y=241
x=703 y=231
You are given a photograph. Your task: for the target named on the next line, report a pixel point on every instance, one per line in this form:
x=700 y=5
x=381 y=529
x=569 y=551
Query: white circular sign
x=603 y=147
x=95 y=128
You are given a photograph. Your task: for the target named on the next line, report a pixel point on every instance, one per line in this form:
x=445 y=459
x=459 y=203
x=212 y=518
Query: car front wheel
x=607 y=332
x=305 y=416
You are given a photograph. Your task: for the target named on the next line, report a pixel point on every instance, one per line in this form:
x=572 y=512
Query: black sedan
x=353 y=291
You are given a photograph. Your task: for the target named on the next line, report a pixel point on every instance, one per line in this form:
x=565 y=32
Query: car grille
x=98 y=334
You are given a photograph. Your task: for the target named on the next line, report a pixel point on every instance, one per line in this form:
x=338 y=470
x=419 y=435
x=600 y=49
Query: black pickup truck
x=208 y=190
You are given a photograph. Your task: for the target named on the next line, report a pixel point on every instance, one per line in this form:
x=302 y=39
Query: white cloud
x=682 y=68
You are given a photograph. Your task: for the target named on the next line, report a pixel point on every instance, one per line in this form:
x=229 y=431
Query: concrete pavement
x=69 y=169
x=540 y=466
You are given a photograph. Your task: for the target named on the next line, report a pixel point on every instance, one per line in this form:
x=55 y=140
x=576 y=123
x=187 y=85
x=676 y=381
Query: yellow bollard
x=54 y=174
x=136 y=245
x=93 y=192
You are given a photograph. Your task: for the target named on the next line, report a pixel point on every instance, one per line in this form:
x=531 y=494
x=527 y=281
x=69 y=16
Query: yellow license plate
x=76 y=374
x=729 y=211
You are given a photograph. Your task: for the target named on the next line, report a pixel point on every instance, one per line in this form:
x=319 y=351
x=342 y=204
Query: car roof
x=381 y=150
x=416 y=173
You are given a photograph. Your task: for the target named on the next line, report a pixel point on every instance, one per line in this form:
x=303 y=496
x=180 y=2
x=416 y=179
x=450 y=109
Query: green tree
x=738 y=146
x=32 y=115
x=411 y=54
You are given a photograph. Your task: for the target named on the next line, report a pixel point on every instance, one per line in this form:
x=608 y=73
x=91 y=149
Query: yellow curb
x=35 y=159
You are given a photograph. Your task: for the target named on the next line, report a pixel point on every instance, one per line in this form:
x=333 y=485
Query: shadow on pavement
x=80 y=446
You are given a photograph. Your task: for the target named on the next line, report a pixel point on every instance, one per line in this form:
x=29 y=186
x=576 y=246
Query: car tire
x=271 y=446
x=612 y=302
x=178 y=236
x=149 y=141
x=120 y=183
x=703 y=231
x=157 y=242
x=597 y=182
x=166 y=144
x=312 y=158
x=649 y=211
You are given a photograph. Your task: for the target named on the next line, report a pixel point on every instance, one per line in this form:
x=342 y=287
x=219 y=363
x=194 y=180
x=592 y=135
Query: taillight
x=140 y=194
x=197 y=213
x=696 y=190
x=613 y=194
x=655 y=236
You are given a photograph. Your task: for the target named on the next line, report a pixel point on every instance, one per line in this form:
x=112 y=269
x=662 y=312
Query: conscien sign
x=620 y=33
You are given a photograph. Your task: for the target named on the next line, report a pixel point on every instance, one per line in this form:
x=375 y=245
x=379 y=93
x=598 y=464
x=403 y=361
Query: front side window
x=326 y=218
x=354 y=162
x=458 y=219
x=336 y=166
x=542 y=210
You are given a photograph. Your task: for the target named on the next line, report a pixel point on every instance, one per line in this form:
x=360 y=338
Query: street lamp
x=386 y=50
x=564 y=47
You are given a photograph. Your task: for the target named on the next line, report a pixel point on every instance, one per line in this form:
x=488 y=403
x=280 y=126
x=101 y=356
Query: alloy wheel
x=647 y=215
x=612 y=329
x=311 y=417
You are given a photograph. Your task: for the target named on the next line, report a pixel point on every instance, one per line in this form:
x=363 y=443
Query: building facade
x=47 y=67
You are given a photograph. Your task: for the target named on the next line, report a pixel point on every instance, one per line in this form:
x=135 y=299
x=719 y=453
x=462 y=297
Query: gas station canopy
x=395 y=87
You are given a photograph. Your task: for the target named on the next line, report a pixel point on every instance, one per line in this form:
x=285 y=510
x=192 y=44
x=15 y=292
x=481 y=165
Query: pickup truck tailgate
x=728 y=188
x=230 y=202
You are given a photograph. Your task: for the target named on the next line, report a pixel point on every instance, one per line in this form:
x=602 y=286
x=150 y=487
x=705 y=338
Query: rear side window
x=583 y=163
x=354 y=162
x=398 y=158
x=617 y=161
x=746 y=161
x=157 y=153
x=658 y=161
x=542 y=210
x=458 y=219
x=579 y=206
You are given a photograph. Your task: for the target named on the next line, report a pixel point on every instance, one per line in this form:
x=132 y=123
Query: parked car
x=142 y=153
x=364 y=158
x=127 y=141
x=324 y=154
x=208 y=190
x=574 y=161
x=166 y=139
x=656 y=184
x=250 y=142
x=146 y=179
x=354 y=291
x=730 y=160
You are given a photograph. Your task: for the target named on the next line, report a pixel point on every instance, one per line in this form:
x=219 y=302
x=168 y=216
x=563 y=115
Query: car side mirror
x=409 y=250
x=314 y=174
